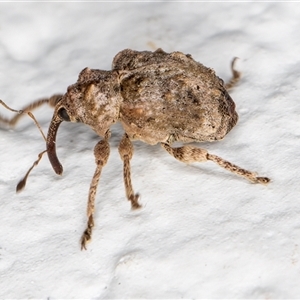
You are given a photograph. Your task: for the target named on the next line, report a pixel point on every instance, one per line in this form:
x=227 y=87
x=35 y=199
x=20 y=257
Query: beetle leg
x=189 y=154
x=236 y=76
x=13 y=121
x=101 y=152
x=126 y=152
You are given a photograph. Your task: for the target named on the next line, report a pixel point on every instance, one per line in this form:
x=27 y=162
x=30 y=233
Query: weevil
x=158 y=97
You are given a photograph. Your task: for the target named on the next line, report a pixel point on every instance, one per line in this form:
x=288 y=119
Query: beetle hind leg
x=236 y=76
x=101 y=152
x=251 y=176
x=126 y=153
x=189 y=154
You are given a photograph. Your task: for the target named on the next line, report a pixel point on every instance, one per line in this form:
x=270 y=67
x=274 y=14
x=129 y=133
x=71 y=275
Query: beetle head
x=93 y=100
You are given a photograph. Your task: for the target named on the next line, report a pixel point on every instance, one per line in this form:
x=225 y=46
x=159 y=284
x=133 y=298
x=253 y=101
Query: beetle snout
x=57 y=118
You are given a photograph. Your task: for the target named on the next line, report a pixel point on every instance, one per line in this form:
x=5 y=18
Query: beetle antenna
x=22 y=182
x=30 y=114
x=52 y=101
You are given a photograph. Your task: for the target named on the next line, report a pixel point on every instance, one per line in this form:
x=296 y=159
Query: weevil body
x=158 y=97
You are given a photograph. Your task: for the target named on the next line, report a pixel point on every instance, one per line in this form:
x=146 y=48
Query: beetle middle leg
x=101 y=152
x=126 y=152
x=189 y=154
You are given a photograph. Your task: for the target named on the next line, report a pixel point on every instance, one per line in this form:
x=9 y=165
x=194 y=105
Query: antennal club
x=22 y=183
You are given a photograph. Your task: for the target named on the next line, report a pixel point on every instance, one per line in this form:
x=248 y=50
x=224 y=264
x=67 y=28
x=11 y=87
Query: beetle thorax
x=95 y=102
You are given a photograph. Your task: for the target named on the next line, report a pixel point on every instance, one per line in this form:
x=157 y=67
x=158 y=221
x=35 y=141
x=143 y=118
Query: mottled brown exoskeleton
x=158 y=97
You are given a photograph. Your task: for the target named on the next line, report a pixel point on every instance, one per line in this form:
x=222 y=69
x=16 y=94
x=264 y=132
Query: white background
x=202 y=232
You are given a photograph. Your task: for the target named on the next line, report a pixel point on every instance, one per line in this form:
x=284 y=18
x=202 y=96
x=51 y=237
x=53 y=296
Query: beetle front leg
x=189 y=154
x=101 y=152
x=126 y=152
x=52 y=101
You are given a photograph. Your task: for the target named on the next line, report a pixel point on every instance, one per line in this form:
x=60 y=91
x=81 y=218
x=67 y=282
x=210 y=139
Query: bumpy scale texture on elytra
x=158 y=97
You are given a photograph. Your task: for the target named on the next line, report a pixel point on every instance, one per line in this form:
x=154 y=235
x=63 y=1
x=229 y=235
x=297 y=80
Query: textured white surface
x=202 y=232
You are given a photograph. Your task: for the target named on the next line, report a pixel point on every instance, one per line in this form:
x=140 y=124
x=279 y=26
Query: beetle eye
x=64 y=115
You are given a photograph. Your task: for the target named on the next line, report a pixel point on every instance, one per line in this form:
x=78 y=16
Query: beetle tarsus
x=87 y=235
